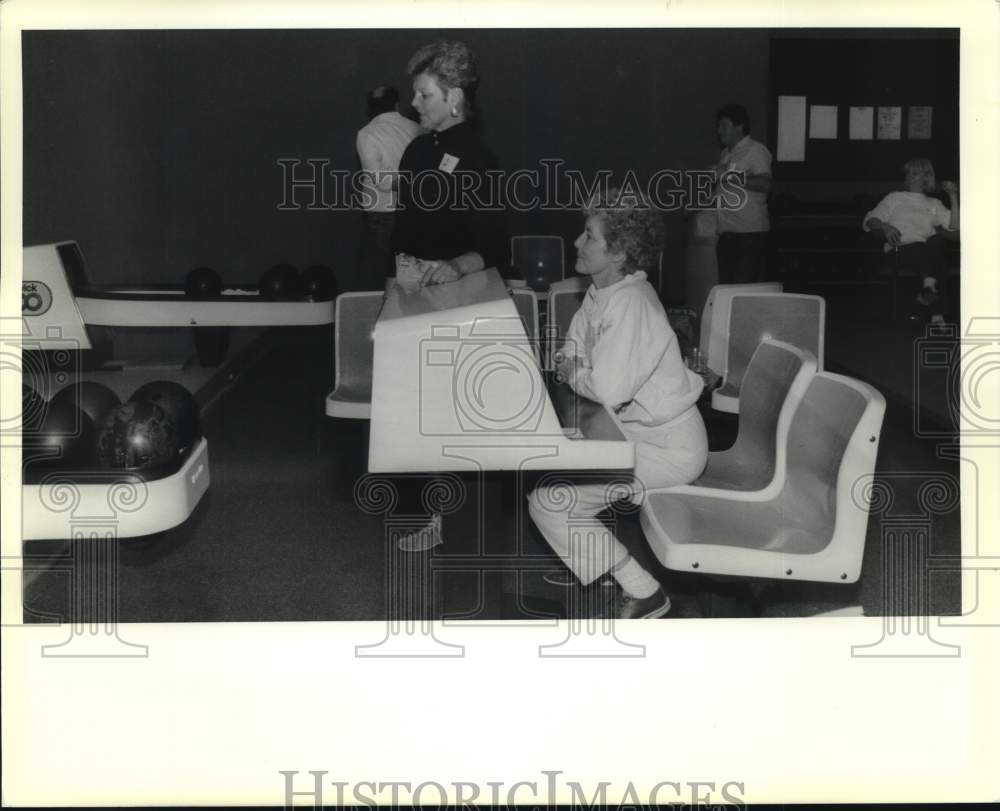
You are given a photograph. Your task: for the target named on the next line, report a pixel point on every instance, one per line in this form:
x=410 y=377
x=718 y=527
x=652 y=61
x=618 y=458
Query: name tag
x=448 y=163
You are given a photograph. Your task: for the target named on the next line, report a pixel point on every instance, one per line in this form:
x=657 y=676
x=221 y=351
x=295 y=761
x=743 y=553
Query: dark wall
x=870 y=71
x=157 y=150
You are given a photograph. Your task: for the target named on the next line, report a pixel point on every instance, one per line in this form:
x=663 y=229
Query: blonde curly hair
x=632 y=227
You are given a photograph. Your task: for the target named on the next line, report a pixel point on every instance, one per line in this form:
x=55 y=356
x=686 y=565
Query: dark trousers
x=917 y=261
x=377 y=260
x=741 y=257
x=922 y=259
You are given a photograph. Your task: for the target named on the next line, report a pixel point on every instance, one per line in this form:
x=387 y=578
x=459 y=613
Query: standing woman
x=442 y=221
x=447 y=220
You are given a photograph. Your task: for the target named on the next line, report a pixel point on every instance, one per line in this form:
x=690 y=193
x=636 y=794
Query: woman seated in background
x=909 y=222
x=621 y=352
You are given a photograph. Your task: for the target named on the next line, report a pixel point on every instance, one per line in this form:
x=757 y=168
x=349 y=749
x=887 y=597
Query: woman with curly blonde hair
x=621 y=352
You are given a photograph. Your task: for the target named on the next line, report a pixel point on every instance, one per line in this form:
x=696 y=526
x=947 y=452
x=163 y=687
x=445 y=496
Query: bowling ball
x=32 y=410
x=178 y=404
x=92 y=397
x=203 y=282
x=319 y=283
x=280 y=281
x=66 y=437
x=137 y=436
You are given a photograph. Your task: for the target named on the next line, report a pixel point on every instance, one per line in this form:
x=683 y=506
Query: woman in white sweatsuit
x=622 y=353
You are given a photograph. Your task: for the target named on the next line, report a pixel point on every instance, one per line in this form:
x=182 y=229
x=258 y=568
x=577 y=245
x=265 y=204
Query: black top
x=447 y=205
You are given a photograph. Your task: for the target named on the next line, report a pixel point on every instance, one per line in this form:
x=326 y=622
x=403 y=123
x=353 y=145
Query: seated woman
x=620 y=351
x=909 y=222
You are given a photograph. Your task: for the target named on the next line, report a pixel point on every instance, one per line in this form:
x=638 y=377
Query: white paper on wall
x=791 y=128
x=918 y=123
x=890 y=123
x=861 y=124
x=823 y=121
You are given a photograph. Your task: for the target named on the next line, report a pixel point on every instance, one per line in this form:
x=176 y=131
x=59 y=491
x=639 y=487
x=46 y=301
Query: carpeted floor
x=280 y=535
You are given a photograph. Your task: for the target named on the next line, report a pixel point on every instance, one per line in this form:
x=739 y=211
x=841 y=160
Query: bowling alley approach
x=416 y=324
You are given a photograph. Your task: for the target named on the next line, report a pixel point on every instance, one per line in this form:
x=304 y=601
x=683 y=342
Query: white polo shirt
x=752 y=157
x=914 y=213
x=380 y=145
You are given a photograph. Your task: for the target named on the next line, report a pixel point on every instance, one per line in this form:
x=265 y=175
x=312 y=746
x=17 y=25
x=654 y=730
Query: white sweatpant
x=563 y=506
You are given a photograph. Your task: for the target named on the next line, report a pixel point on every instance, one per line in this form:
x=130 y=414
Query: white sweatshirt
x=628 y=355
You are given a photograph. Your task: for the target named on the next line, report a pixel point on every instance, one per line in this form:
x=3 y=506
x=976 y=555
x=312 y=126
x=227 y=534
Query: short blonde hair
x=632 y=227
x=919 y=165
x=451 y=64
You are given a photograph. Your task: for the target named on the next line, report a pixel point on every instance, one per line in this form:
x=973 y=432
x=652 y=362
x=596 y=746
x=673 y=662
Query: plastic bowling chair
x=790 y=317
x=540 y=259
x=565 y=298
x=715 y=320
x=526 y=302
x=813 y=528
x=354 y=352
x=773 y=386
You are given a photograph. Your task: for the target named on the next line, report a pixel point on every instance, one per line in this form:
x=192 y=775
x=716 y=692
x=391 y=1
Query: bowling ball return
x=56 y=288
x=137 y=469
x=96 y=502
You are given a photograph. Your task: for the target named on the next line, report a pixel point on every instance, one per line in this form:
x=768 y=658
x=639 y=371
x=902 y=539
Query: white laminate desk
x=455 y=386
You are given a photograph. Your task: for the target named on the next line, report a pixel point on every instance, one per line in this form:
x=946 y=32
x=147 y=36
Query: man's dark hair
x=736 y=113
x=381 y=100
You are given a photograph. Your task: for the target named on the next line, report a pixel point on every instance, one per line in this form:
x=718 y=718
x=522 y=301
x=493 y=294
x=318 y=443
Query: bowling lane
x=279 y=535
x=256 y=547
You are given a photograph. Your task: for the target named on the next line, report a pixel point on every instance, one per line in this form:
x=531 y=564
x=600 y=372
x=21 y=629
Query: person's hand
x=949 y=187
x=892 y=235
x=438 y=272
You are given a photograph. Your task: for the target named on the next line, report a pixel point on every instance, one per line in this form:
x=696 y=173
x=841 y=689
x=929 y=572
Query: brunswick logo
x=197 y=474
x=36 y=298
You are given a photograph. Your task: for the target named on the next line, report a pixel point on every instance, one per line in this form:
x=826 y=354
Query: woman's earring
x=454 y=112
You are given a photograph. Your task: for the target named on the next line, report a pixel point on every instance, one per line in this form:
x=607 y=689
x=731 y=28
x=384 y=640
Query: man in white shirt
x=380 y=145
x=742 y=227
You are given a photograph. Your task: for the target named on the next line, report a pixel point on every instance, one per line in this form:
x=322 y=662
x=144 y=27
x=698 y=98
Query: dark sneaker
x=566 y=579
x=627 y=607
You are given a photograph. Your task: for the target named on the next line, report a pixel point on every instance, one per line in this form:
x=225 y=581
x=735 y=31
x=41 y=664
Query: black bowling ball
x=94 y=398
x=203 y=282
x=178 y=404
x=65 y=440
x=319 y=283
x=137 y=436
x=280 y=282
x=32 y=410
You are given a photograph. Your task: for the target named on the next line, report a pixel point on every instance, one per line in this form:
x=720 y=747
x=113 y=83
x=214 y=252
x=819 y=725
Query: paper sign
x=890 y=123
x=918 y=123
x=822 y=121
x=861 y=126
x=791 y=128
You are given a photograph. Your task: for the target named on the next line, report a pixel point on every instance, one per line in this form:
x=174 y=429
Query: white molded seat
x=526 y=302
x=539 y=258
x=773 y=386
x=565 y=298
x=715 y=320
x=353 y=349
x=813 y=528
x=794 y=318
